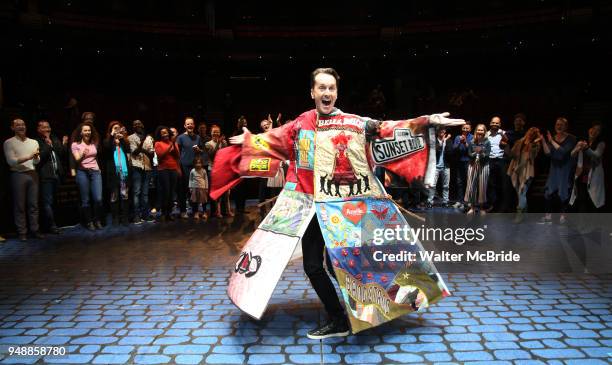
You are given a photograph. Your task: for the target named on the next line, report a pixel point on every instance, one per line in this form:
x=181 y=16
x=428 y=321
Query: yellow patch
x=335 y=219
x=260 y=143
x=260 y=164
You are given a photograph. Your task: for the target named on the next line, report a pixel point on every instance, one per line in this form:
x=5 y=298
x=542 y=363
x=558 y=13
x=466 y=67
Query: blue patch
x=290 y=185
x=305 y=150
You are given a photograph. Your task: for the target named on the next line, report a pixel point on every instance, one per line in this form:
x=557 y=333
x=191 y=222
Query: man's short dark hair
x=88 y=116
x=323 y=70
x=520 y=116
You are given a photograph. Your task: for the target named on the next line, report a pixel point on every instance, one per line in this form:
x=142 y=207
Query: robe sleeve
x=403 y=147
x=260 y=155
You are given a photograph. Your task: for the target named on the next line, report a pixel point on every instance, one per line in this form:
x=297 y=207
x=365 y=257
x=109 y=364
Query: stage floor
x=155 y=294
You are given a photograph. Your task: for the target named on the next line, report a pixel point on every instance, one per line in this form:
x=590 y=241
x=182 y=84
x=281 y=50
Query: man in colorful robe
x=331 y=175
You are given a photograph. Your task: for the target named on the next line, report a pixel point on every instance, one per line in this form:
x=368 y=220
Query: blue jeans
x=522 y=195
x=47 y=197
x=90 y=187
x=140 y=185
x=442 y=173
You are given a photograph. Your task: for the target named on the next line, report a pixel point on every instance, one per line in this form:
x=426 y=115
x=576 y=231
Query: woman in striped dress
x=478 y=170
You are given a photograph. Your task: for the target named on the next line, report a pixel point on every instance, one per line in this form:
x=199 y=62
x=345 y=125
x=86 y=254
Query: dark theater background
x=159 y=61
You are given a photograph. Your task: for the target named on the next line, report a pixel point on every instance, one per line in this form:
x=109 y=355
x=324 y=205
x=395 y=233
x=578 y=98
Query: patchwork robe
x=331 y=175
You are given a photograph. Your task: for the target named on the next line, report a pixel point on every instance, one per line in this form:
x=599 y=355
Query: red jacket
x=170 y=160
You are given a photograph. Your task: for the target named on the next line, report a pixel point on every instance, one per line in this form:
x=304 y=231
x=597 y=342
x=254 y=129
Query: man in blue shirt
x=189 y=145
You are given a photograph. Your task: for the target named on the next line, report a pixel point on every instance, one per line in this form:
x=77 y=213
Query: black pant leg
x=313 y=247
x=183 y=187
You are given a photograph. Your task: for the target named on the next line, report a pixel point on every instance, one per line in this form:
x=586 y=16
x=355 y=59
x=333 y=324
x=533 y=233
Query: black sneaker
x=330 y=329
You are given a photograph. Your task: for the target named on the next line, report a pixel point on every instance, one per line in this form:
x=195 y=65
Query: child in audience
x=198 y=188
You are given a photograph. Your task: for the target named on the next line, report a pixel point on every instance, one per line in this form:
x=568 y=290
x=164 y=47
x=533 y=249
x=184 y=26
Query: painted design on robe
x=375 y=291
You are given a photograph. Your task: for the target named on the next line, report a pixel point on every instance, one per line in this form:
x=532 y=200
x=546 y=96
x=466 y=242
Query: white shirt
x=496 y=151
x=16 y=149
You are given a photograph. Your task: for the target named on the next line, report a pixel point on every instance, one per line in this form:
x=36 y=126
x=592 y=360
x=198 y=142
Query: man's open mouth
x=326 y=102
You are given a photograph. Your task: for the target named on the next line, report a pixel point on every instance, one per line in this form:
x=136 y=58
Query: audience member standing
x=239 y=193
x=22 y=154
x=142 y=150
x=589 y=192
x=53 y=153
x=189 y=146
x=521 y=169
x=497 y=167
x=86 y=117
x=559 y=182
x=519 y=130
x=478 y=171
x=173 y=136
x=460 y=147
x=443 y=158
x=204 y=137
x=275 y=184
x=217 y=142
x=198 y=188
x=85 y=140
x=168 y=156
x=512 y=137
x=116 y=153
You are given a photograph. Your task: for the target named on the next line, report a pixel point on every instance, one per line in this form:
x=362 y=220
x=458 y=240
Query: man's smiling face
x=324 y=93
